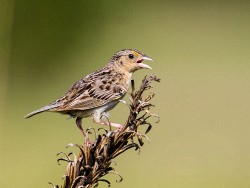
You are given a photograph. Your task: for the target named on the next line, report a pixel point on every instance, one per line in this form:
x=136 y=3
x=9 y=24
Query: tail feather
x=43 y=109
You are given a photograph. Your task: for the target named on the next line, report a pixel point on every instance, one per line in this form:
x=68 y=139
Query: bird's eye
x=131 y=56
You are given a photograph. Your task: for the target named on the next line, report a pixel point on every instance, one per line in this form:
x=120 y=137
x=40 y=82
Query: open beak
x=142 y=65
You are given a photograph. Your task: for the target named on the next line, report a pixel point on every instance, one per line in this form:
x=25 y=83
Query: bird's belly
x=99 y=110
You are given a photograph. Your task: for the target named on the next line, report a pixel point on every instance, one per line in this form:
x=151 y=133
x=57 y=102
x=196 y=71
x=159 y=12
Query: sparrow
x=99 y=92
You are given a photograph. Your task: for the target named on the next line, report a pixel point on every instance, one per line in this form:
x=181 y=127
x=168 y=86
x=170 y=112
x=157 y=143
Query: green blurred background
x=201 y=50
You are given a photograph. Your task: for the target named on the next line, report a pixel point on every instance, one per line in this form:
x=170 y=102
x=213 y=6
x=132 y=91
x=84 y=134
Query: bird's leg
x=117 y=125
x=98 y=120
x=79 y=125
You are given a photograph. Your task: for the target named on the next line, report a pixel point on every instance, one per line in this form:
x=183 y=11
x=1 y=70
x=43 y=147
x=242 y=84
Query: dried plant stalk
x=94 y=160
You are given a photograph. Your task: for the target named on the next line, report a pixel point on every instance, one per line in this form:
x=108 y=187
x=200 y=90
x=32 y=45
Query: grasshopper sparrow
x=100 y=91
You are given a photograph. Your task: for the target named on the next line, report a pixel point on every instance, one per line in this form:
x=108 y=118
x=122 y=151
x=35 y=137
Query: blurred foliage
x=201 y=52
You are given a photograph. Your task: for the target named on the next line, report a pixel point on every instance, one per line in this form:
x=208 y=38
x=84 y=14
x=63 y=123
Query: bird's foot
x=87 y=141
x=116 y=125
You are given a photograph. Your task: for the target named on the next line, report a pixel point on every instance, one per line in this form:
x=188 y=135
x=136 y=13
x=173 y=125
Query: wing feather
x=91 y=92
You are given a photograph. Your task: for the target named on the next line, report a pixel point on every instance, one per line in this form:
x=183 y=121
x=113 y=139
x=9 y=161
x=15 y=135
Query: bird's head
x=130 y=60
